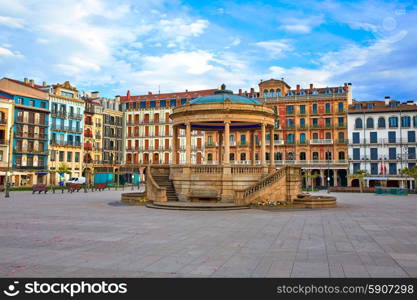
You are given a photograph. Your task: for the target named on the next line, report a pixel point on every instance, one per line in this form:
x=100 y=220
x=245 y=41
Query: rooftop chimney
x=128 y=95
x=311 y=86
x=149 y=93
x=32 y=83
x=26 y=81
x=387 y=100
x=240 y=91
x=298 y=88
x=95 y=94
x=44 y=83
x=252 y=90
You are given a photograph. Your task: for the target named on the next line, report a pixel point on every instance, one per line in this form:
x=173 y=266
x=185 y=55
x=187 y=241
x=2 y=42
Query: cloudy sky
x=146 y=45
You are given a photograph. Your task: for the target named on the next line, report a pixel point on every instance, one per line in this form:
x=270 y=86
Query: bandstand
x=219 y=180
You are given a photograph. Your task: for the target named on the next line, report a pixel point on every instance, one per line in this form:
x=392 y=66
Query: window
x=43 y=104
x=290 y=123
x=328 y=122
x=374 y=153
x=173 y=102
x=315 y=156
x=356 y=167
x=358 y=123
x=61 y=155
x=374 y=168
x=315 y=122
x=314 y=108
x=327 y=107
x=163 y=103
x=69 y=156
x=77 y=157
x=243 y=139
x=290 y=138
x=265 y=93
x=381 y=122
x=275 y=109
x=290 y=156
x=340 y=107
x=328 y=135
x=341 y=121
x=31 y=102
x=370 y=123
x=271 y=93
x=315 y=136
x=276 y=124
x=415 y=121
x=278 y=91
x=20 y=101
x=243 y=156
x=302 y=123
x=393 y=169
x=392 y=153
x=391 y=137
x=341 y=137
x=183 y=101
x=411 y=136
x=302 y=138
x=358 y=106
x=373 y=137
x=393 y=122
x=369 y=105
x=53 y=155
x=405 y=121
x=328 y=155
x=142 y=104
x=356 y=137
x=356 y=153
x=302 y=156
x=411 y=153
x=290 y=109
x=341 y=155
x=1 y=154
x=302 y=109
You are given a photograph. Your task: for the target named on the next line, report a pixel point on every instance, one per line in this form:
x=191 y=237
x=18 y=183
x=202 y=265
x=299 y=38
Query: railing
x=260 y=185
x=4 y=142
x=3 y=121
x=247 y=169
x=60 y=114
x=31 y=135
x=32 y=121
x=65 y=143
x=75 y=116
x=309 y=162
x=321 y=142
x=153 y=190
x=88 y=134
x=66 y=128
x=205 y=169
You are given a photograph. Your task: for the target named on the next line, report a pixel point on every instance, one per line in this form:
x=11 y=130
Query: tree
x=411 y=172
x=63 y=169
x=360 y=175
x=312 y=176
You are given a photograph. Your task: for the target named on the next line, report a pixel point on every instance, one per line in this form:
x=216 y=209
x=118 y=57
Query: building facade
x=30 y=131
x=149 y=133
x=310 y=132
x=66 y=131
x=6 y=124
x=382 y=141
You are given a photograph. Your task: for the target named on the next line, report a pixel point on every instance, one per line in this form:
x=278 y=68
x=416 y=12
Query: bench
x=100 y=186
x=72 y=187
x=204 y=195
x=39 y=188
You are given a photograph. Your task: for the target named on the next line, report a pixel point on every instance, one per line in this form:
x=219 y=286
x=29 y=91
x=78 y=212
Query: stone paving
x=80 y=235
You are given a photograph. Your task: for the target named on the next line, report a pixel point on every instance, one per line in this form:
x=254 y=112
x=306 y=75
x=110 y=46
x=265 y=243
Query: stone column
x=323 y=182
x=188 y=144
x=271 y=147
x=263 y=144
x=226 y=142
x=174 y=144
x=336 y=177
x=253 y=146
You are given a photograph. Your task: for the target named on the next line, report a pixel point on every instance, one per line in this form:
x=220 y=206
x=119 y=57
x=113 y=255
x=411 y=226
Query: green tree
x=312 y=176
x=360 y=175
x=411 y=172
x=63 y=169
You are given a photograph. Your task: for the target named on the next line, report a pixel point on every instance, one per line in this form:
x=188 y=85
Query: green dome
x=221 y=98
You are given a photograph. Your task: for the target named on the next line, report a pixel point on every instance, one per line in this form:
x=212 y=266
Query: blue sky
x=113 y=46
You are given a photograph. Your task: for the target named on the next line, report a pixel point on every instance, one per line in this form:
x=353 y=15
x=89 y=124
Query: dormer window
x=289 y=93
x=302 y=93
x=370 y=105
x=315 y=92
x=328 y=91
x=340 y=90
x=358 y=106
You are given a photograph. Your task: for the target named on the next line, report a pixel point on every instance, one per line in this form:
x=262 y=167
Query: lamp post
x=328 y=170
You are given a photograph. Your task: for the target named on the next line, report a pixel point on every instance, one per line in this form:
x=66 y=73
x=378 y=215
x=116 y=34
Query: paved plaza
x=80 y=235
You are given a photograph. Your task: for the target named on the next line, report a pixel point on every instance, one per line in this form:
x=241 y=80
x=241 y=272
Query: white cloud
x=11 y=22
x=301 y=25
x=178 y=30
x=275 y=48
x=9 y=53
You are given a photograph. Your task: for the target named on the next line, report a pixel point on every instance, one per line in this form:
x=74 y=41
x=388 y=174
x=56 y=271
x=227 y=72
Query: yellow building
x=6 y=123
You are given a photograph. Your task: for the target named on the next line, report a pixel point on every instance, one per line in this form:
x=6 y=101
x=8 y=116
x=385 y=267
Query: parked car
x=79 y=180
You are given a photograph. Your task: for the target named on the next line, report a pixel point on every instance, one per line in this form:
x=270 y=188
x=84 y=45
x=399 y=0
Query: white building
x=382 y=141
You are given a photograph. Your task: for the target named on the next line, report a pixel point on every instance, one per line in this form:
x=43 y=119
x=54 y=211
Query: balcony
x=75 y=116
x=40 y=122
x=31 y=167
x=31 y=135
x=212 y=144
x=30 y=151
x=88 y=147
x=88 y=134
x=4 y=142
x=3 y=121
x=65 y=143
x=342 y=141
x=321 y=142
x=305 y=127
x=58 y=114
x=65 y=128
x=299 y=142
x=341 y=126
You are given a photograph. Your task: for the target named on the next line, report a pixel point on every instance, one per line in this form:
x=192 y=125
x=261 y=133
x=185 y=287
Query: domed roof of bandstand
x=222 y=95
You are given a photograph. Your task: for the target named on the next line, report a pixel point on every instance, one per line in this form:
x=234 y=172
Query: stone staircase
x=164 y=182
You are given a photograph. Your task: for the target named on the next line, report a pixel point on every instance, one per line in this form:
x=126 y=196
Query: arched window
x=265 y=93
x=328 y=155
x=278 y=91
x=290 y=138
x=209 y=156
x=290 y=156
x=315 y=156
x=405 y=121
x=370 y=123
x=243 y=156
x=302 y=156
x=358 y=123
x=271 y=93
x=341 y=155
x=232 y=139
x=393 y=122
x=328 y=135
x=381 y=122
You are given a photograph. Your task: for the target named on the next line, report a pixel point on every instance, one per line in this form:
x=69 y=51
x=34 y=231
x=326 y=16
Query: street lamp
x=328 y=170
